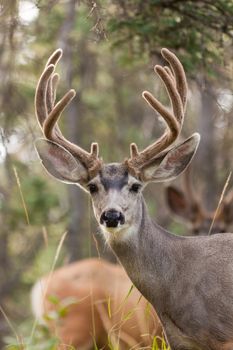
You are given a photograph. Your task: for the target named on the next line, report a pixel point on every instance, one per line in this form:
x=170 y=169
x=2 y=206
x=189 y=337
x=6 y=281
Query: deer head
x=187 y=204
x=115 y=188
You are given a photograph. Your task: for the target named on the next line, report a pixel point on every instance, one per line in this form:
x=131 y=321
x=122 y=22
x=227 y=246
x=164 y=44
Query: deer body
x=192 y=302
x=189 y=281
x=102 y=309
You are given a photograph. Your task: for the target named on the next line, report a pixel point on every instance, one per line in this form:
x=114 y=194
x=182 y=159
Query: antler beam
x=175 y=83
x=48 y=112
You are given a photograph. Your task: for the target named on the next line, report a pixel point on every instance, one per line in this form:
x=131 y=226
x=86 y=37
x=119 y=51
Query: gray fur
x=188 y=280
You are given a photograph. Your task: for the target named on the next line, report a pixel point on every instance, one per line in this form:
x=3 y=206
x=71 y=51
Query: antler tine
x=51 y=91
x=52 y=131
x=172 y=79
x=55 y=114
x=174 y=96
x=45 y=95
x=44 y=91
x=54 y=58
x=52 y=82
x=41 y=95
x=178 y=71
x=48 y=113
x=169 y=72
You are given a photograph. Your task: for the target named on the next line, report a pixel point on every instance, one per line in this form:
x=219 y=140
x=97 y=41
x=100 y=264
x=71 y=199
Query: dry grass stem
x=220 y=202
x=21 y=195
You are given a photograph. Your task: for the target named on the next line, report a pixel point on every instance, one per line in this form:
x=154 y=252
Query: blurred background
x=110 y=48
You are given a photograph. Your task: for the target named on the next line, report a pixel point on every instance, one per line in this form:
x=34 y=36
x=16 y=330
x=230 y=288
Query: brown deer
x=187 y=204
x=102 y=307
x=188 y=280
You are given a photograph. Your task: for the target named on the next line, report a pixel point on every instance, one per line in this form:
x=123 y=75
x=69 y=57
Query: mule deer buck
x=102 y=307
x=188 y=205
x=188 y=280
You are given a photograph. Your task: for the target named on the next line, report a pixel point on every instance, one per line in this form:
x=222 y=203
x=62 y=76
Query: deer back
x=101 y=305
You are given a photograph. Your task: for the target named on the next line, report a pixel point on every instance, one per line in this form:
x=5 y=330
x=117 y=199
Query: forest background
x=110 y=48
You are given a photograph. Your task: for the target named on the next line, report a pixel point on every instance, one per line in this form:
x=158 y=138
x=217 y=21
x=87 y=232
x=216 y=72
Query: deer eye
x=93 y=188
x=135 y=188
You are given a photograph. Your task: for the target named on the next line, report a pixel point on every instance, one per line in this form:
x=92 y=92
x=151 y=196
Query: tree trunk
x=76 y=239
x=206 y=157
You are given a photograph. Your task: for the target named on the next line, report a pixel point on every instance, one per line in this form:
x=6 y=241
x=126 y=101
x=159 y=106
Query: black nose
x=112 y=218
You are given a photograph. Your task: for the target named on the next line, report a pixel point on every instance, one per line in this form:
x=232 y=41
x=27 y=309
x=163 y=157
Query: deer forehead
x=114 y=176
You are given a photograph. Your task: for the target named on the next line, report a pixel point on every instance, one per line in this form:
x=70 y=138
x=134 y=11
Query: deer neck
x=147 y=256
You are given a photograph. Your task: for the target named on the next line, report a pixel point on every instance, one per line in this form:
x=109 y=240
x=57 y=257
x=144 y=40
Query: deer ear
x=173 y=161
x=60 y=163
x=176 y=201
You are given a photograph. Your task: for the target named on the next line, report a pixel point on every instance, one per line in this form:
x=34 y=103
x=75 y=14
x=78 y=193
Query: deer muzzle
x=112 y=218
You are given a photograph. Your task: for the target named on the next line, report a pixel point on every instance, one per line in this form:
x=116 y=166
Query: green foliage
x=156 y=344
x=39 y=199
x=177 y=228
x=197 y=29
x=42 y=340
x=61 y=307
